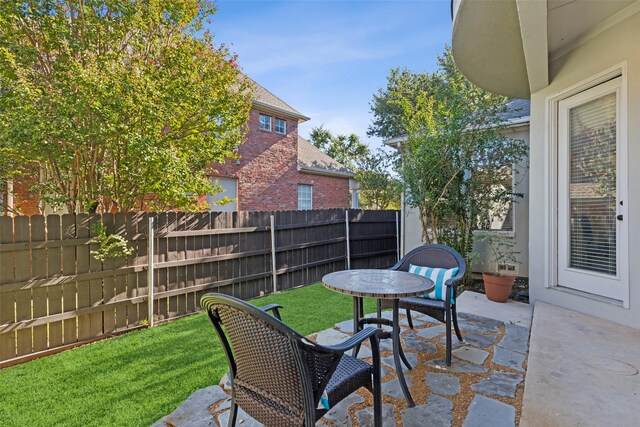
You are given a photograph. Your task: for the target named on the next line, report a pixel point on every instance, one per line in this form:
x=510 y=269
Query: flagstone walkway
x=483 y=386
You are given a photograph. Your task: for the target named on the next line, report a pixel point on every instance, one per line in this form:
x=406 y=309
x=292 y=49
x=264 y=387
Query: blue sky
x=328 y=58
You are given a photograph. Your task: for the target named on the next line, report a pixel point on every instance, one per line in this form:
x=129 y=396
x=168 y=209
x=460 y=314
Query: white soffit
x=570 y=21
x=487 y=46
x=533 y=28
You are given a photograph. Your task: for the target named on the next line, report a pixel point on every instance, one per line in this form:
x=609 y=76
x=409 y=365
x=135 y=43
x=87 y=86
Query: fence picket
x=22 y=268
x=109 y=315
x=54 y=268
x=39 y=271
x=7 y=299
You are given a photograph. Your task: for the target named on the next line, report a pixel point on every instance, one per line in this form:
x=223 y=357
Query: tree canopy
x=116 y=104
x=378 y=189
x=387 y=105
x=455 y=165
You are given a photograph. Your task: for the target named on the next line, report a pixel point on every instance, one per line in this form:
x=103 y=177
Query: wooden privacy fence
x=54 y=294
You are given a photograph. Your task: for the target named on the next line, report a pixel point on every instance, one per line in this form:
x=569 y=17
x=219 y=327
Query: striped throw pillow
x=439 y=276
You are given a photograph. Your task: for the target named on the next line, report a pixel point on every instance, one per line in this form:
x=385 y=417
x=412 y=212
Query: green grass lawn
x=137 y=378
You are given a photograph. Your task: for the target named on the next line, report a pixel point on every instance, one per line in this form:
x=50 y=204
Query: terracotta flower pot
x=497 y=287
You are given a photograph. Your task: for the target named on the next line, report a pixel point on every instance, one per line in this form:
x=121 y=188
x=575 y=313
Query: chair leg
x=379 y=308
x=455 y=322
x=409 y=321
x=377 y=388
x=233 y=413
x=448 y=322
x=377 y=403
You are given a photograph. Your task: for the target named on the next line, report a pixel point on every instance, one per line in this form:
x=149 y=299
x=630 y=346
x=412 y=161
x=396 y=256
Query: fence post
x=274 y=274
x=398 y=235
x=346 y=223
x=150 y=255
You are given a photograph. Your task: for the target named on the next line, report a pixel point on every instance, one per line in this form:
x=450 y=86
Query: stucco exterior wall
x=412 y=227
x=616 y=45
x=520 y=233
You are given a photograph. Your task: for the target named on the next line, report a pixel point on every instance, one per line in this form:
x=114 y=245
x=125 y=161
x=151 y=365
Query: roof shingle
x=312 y=160
x=263 y=96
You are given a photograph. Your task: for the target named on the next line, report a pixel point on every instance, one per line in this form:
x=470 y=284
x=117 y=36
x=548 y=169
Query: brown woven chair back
x=430 y=256
x=275 y=370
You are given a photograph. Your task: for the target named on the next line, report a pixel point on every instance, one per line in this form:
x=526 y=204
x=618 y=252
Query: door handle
x=619 y=217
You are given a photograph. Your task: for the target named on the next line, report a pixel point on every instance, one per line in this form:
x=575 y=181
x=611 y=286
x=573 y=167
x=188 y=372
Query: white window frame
x=263 y=124
x=284 y=126
x=310 y=199
x=511 y=232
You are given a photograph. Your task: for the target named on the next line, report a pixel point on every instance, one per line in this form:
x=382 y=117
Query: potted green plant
x=499 y=282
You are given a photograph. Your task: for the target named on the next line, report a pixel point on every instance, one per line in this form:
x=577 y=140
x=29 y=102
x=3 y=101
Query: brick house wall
x=268 y=175
x=267 y=168
x=24 y=202
x=328 y=191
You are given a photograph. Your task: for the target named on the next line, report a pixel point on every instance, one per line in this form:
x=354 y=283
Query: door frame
x=551 y=158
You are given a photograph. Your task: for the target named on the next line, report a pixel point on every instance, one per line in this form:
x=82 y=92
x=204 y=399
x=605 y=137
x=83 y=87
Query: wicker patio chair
x=277 y=375
x=439 y=256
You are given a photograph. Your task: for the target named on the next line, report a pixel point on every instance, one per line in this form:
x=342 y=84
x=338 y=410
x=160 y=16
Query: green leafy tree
x=345 y=149
x=116 y=104
x=456 y=164
x=387 y=105
x=378 y=189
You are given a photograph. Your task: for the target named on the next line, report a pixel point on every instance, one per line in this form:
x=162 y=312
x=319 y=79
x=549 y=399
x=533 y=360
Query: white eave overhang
x=320 y=171
x=396 y=141
x=268 y=108
x=501 y=46
x=516 y=122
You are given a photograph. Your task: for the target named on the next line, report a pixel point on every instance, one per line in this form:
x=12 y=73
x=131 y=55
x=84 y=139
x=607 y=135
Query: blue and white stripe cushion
x=439 y=276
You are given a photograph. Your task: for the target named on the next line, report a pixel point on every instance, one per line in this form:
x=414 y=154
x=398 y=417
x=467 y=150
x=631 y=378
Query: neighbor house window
x=227 y=199
x=281 y=126
x=499 y=215
x=305 y=197
x=265 y=122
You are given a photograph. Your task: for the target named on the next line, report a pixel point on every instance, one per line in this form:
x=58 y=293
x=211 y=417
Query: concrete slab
x=509 y=312
x=582 y=370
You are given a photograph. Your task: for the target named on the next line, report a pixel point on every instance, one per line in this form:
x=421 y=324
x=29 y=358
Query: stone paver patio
x=483 y=386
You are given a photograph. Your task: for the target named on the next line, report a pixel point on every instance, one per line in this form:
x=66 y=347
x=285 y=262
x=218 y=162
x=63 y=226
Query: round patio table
x=380 y=284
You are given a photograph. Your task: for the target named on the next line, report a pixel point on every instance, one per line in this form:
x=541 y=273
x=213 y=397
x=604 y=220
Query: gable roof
x=518 y=110
x=312 y=160
x=268 y=101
